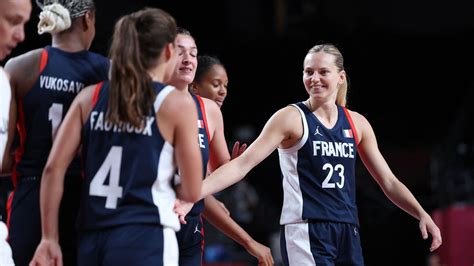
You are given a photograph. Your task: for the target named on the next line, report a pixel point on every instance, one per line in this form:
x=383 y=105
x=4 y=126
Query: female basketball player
x=317 y=141
x=44 y=83
x=134 y=131
x=214 y=153
x=13 y=16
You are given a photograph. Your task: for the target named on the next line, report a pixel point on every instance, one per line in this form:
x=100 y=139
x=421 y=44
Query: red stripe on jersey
x=20 y=125
x=9 y=208
x=354 y=131
x=95 y=97
x=204 y=117
x=18 y=155
x=202 y=242
x=44 y=60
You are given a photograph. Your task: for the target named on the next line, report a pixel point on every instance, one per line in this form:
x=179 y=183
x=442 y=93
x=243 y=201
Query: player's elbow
x=194 y=192
x=48 y=173
x=51 y=172
x=190 y=191
x=192 y=197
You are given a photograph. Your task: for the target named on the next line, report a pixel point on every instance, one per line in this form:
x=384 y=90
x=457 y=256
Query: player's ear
x=88 y=20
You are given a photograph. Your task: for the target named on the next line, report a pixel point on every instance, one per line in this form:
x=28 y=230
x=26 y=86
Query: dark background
x=410 y=68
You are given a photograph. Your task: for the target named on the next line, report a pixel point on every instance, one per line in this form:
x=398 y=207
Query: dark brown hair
x=138 y=41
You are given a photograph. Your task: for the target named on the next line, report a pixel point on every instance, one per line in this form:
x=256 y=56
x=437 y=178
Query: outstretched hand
x=238 y=150
x=261 y=252
x=182 y=208
x=48 y=253
x=427 y=225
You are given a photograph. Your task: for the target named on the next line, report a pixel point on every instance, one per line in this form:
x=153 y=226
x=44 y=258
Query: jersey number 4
x=109 y=168
x=327 y=181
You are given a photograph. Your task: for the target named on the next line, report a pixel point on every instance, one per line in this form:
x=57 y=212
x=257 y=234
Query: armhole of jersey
x=161 y=97
x=95 y=96
x=304 y=138
x=349 y=118
x=204 y=116
x=44 y=60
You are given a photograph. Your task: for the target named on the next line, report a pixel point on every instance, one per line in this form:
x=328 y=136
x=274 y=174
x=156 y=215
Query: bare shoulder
x=87 y=93
x=361 y=123
x=27 y=61
x=357 y=117
x=289 y=115
x=24 y=69
x=212 y=109
x=210 y=105
x=177 y=101
x=286 y=121
x=84 y=101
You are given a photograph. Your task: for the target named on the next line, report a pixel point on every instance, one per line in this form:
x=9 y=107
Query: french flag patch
x=200 y=123
x=347 y=133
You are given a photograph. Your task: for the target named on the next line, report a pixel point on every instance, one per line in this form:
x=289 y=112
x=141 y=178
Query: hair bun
x=53 y=19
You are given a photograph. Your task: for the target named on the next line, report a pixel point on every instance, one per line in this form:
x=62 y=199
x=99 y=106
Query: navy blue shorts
x=25 y=220
x=321 y=243
x=129 y=245
x=191 y=241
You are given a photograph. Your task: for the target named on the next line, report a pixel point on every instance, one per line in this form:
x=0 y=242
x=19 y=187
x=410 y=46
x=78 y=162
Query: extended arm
x=280 y=127
x=395 y=190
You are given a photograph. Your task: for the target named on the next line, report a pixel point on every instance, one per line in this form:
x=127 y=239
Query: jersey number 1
x=55 y=115
x=111 y=168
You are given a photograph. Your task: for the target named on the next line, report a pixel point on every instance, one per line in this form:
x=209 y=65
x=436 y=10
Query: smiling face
x=13 y=16
x=185 y=69
x=321 y=76
x=213 y=84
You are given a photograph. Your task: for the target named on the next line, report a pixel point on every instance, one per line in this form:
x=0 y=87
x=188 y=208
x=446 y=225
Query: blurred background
x=410 y=65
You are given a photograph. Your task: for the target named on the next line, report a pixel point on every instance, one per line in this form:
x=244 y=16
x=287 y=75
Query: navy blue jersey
x=128 y=170
x=191 y=235
x=40 y=112
x=203 y=141
x=319 y=171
